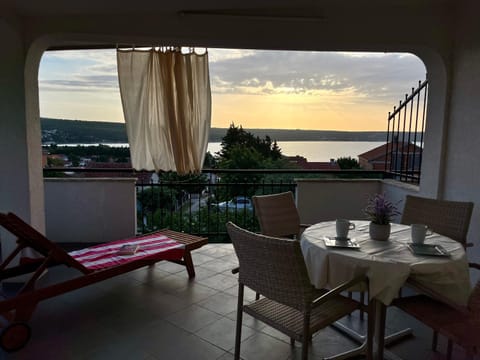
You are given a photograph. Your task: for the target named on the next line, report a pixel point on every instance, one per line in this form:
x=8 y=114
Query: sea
x=311 y=150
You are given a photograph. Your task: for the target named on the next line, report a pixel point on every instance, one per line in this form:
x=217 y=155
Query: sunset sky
x=252 y=88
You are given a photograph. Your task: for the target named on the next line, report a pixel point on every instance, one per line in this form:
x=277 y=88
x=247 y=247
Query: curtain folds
x=166 y=103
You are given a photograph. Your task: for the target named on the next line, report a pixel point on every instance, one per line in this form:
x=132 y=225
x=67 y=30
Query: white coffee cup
x=419 y=231
x=343 y=226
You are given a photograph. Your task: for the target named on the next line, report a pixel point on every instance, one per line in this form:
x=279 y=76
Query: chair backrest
x=449 y=218
x=273 y=267
x=35 y=240
x=277 y=214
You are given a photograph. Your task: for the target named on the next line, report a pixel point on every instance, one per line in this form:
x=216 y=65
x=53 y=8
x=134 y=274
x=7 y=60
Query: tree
x=237 y=140
x=242 y=150
x=348 y=163
x=74 y=159
x=210 y=161
x=55 y=162
x=190 y=183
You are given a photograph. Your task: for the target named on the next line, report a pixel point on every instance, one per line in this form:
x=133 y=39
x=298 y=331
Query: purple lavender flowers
x=379 y=210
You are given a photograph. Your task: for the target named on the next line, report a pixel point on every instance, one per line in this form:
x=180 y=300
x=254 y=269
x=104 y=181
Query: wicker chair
x=278 y=215
x=460 y=325
x=275 y=267
x=449 y=218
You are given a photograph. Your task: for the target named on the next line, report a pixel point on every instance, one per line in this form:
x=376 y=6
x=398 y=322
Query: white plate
x=427 y=249
x=341 y=243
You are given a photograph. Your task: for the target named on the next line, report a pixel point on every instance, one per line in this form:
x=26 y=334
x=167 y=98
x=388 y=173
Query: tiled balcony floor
x=157 y=313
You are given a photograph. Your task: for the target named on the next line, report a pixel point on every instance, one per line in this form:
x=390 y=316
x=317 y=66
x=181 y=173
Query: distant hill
x=77 y=131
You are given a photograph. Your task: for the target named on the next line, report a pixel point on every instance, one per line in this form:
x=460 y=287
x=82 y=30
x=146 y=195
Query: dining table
x=389 y=265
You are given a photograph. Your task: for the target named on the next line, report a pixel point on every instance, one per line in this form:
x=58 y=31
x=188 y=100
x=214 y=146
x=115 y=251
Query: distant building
x=303 y=163
x=142 y=177
x=404 y=156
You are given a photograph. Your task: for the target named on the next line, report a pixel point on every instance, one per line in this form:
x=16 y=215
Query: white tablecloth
x=388 y=263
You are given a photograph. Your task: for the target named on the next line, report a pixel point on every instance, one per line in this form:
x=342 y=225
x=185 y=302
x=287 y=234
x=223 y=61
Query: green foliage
x=74 y=159
x=242 y=150
x=192 y=183
x=54 y=162
x=210 y=161
x=152 y=198
x=236 y=137
x=74 y=131
x=206 y=220
x=77 y=131
x=348 y=163
x=101 y=153
x=57 y=174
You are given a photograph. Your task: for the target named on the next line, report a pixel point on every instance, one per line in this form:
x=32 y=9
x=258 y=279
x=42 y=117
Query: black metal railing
x=203 y=206
x=406 y=126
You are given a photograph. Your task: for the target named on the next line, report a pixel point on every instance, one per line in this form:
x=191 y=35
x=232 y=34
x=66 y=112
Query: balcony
x=157 y=313
x=94 y=210
x=448 y=165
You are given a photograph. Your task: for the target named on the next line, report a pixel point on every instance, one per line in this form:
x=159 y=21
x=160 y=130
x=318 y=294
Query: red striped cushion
x=152 y=247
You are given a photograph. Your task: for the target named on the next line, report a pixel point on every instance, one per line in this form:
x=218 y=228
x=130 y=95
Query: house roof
x=318 y=165
x=108 y=165
x=303 y=163
x=142 y=177
x=380 y=151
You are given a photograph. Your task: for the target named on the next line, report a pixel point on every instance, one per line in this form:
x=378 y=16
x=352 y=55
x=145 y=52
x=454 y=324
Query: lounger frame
x=20 y=308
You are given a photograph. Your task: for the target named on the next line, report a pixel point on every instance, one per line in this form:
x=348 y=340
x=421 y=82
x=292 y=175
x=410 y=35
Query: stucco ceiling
x=329 y=25
x=281 y=8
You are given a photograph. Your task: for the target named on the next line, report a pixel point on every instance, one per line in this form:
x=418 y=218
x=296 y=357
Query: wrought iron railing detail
x=405 y=130
x=203 y=208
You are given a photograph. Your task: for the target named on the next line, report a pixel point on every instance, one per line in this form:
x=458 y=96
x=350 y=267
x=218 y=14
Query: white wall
x=321 y=200
x=396 y=192
x=90 y=210
x=330 y=199
x=462 y=171
x=16 y=193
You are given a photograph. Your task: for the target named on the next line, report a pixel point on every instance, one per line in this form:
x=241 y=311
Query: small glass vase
x=379 y=232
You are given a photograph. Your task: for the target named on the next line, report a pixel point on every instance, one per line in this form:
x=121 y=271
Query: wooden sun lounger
x=175 y=246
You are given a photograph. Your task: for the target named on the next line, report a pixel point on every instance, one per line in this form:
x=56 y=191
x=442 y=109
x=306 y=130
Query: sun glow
x=252 y=88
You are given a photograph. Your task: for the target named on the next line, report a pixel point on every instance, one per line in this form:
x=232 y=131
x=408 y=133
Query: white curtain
x=167 y=107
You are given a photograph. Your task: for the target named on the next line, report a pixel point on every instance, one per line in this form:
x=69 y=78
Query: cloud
x=78 y=71
x=218 y=55
x=104 y=56
x=372 y=75
x=82 y=83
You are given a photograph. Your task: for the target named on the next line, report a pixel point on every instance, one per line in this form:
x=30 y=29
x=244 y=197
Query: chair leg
x=449 y=349
x=362 y=301
x=350 y=295
x=257 y=296
x=370 y=329
x=292 y=342
x=306 y=335
x=187 y=257
x=435 y=340
x=238 y=331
